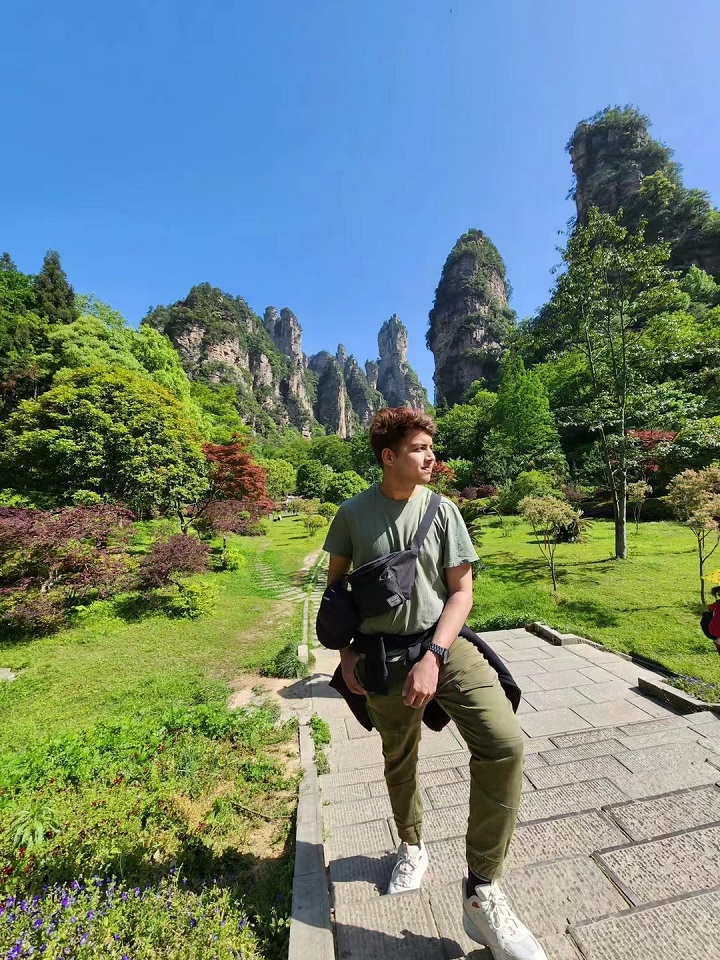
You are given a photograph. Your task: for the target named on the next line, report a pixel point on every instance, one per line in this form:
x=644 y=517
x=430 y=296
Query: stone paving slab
x=594 y=768
x=401 y=927
x=553 y=699
x=614 y=712
x=354 y=791
x=667 y=779
x=445 y=823
x=682 y=810
x=356 y=811
x=560 y=678
x=572 y=798
x=446 y=906
x=586 y=736
x=581 y=719
x=567 y=836
x=652 y=726
x=600 y=748
x=362 y=877
x=658 y=869
x=360 y=753
x=547 y=722
x=438 y=744
x=664 y=755
x=371 y=837
x=682 y=929
x=677 y=735
x=550 y=896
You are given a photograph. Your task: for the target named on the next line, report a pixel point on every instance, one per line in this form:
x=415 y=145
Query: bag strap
x=425 y=524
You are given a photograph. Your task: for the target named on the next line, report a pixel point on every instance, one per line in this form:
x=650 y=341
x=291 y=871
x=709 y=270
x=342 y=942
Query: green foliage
x=328 y=510
x=463 y=470
x=314 y=522
x=286 y=664
x=547 y=517
x=196 y=598
x=312 y=479
x=320 y=733
x=525 y=429
x=172 y=806
x=333 y=451
x=216 y=412
x=54 y=295
x=280 y=478
x=342 y=486
x=462 y=428
x=112 y=432
x=529 y=483
x=24 y=354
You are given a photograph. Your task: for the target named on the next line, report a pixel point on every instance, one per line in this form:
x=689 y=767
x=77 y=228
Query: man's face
x=413 y=461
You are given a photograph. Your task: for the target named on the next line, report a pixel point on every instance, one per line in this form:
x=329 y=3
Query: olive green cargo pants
x=470 y=693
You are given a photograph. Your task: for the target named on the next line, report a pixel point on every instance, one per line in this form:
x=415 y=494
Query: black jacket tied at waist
x=376 y=673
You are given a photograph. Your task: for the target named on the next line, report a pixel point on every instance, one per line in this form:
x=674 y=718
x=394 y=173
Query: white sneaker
x=489 y=919
x=410 y=866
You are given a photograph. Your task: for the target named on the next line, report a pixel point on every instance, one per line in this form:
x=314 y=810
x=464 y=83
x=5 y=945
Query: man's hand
x=348 y=662
x=422 y=681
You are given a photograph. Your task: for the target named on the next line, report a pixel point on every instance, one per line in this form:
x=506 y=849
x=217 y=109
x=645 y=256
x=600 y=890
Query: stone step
x=674 y=930
x=668 y=813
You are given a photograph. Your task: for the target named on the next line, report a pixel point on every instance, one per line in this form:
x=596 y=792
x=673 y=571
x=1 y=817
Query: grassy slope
x=109 y=667
x=648 y=605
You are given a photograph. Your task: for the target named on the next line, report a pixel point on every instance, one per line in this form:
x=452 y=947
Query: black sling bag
x=371 y=589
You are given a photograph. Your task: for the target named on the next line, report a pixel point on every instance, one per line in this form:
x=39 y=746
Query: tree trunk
x=552 y=573
x=621 y=520
x=701 y=559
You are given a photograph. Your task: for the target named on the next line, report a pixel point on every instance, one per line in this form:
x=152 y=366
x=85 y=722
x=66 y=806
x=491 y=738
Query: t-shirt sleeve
x=458 y=548
x=338 y=541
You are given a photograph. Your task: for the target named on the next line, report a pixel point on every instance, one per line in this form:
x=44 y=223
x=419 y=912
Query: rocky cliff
x=617 y=164
x=470 y=319
x=396 y=380
x=220 y=340
x=332 y=405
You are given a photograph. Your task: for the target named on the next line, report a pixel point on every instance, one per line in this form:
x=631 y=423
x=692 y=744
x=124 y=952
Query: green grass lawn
x=112 y=667
x=130 y=796
x=648 y=605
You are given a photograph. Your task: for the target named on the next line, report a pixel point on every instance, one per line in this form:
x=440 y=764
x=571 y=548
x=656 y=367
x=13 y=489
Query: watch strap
x=441 y=652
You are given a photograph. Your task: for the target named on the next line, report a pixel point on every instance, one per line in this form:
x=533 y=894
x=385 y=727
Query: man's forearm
x=453 y=618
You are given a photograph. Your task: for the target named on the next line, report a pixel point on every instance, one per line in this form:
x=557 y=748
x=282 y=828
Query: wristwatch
x=441 y=653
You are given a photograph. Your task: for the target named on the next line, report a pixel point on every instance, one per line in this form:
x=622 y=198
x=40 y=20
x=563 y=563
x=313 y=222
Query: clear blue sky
x=325 y=154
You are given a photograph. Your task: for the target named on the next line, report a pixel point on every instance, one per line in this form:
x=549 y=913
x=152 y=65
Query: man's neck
x=398 y=491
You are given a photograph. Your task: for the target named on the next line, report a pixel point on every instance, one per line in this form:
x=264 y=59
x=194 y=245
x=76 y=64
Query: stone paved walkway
x=617 y=850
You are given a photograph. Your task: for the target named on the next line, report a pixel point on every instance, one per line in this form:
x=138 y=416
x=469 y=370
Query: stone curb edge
x=311 y=934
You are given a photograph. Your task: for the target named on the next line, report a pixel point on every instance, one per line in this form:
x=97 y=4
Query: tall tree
x=524 y=436
x=7 y=263
x=55 y=296
x=614 y=282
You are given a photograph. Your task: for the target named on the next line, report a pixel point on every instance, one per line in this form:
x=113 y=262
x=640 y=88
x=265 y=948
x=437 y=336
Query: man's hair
x=391 y=426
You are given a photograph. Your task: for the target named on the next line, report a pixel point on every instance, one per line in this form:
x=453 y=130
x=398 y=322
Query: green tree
x=55 y=297
x=342 y=486
x=462 y=429
x=24 y=353
x=613 y=283
x=547 y=516
x=637 y=493
x=523 y=418
x=694 y=496
x=333 y=451
x=113 y=432
x=312 y=480
x=280 y=478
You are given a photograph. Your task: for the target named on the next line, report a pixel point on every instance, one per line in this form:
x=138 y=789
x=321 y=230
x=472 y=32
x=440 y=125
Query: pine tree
x=7 y=264
x=55 y=296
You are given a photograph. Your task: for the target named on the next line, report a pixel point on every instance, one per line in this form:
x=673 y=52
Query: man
x=382 y=520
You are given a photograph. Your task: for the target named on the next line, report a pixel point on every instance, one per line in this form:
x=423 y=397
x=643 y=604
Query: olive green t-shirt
x=372 y=525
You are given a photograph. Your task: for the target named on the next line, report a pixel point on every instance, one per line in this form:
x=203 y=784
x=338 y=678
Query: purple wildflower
x=91 y=914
